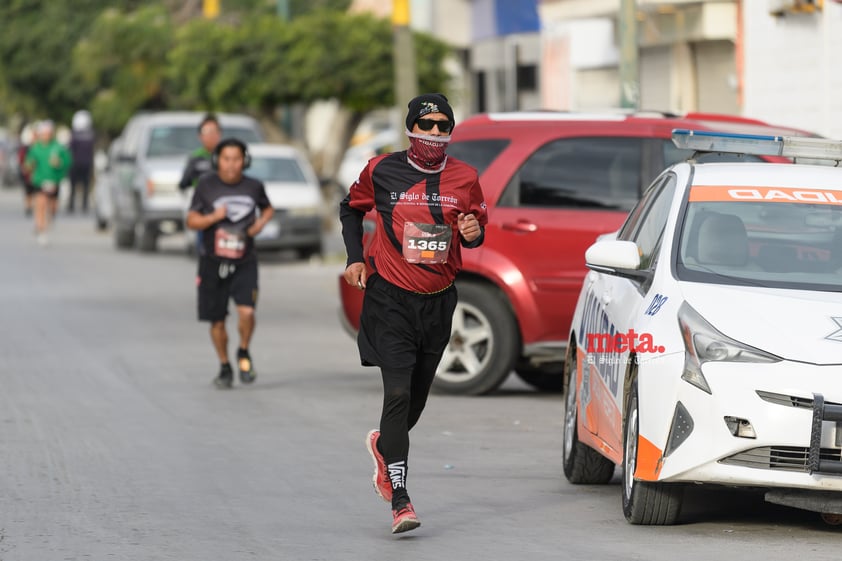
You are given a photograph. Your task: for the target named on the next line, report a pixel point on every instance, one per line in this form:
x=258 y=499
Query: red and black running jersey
x=411 y=202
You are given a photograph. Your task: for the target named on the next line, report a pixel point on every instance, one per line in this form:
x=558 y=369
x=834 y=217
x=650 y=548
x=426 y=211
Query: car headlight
x=703 y=343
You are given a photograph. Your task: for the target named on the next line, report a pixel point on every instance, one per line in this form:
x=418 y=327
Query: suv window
x=170 y=140
x=478 y=153
x=587 y=172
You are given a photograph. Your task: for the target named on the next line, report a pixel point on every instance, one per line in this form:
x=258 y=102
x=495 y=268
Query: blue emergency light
x=759 y=145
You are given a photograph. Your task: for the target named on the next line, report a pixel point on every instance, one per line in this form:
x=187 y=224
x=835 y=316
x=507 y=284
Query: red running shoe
x=382 y=484
x=404 y=519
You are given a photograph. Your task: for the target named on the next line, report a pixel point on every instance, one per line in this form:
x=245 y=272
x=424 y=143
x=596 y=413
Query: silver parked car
x=295 y=193
x=145 y=171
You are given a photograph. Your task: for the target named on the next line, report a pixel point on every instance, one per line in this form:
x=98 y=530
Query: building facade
x=756 y=58
x=791 y=74
x=686 y=56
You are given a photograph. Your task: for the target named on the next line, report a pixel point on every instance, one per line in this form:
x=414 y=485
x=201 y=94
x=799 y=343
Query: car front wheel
x=644 y=502
x=483 y=345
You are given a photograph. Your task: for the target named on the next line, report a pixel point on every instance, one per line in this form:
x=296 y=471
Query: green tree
x=263 y=62
x=36 y=43
x=124 y=59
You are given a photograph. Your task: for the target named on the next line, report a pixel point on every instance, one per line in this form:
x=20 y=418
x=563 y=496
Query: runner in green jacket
x=48 y=161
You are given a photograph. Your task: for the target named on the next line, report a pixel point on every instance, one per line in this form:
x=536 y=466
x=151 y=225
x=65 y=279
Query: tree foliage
x=36 y=44
x=263 y=62
x=124 y=59
x=119 y=56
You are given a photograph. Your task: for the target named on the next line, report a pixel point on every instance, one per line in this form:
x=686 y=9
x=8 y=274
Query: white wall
x=792 y=69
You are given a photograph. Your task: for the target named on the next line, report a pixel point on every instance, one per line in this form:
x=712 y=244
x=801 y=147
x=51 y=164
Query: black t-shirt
x=199 y=164
x=227 y=239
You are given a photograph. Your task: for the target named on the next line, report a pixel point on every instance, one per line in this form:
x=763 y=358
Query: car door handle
x=520 y=226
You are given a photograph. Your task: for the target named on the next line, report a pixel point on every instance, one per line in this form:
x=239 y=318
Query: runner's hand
x=468 y=226
x=220 y=212
x=355 y=275
x=255 y=229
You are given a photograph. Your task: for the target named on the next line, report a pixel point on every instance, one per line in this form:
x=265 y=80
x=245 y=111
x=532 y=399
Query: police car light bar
x=759 y=145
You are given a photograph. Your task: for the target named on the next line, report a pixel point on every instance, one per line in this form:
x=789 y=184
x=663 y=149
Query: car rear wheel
x=307 y=253
x=547 y=377
x=124 y=238
x=148 y=238
x=644 y=502
x=483 y=344
x=582 y=464
x=100 y=222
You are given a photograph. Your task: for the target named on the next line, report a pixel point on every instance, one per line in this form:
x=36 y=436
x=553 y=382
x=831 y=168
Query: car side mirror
x=616 y=257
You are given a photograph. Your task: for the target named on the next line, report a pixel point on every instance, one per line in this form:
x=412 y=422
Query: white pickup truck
x=146 y=168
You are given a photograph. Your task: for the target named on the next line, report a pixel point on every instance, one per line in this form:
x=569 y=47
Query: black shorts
x=217 y=285
x=397 y=325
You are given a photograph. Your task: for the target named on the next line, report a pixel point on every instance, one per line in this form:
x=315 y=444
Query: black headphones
x=231 y=142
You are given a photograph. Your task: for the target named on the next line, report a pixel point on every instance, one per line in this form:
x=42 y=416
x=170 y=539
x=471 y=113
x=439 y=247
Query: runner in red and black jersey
x=428 y=207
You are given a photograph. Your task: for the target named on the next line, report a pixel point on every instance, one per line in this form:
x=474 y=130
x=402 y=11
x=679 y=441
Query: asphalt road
x=115 y=445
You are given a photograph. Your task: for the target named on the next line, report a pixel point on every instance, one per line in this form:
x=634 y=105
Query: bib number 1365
x=431 y=245
x=426 y=243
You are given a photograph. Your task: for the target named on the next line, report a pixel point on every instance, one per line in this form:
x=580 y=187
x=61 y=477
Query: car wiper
x=723 y=276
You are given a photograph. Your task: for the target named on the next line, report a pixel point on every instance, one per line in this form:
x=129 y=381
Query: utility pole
x=629 y=72
x=283 y=9
x=283 y=13
x=406 y=80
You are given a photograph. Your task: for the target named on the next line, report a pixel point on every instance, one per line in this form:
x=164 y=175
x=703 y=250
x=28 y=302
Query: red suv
x=553 y=182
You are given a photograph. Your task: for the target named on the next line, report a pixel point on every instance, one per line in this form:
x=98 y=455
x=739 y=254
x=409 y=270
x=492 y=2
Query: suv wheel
x=545 y=377
x=484 y=343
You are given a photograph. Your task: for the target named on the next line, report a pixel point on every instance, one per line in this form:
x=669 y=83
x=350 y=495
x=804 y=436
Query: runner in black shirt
x=224 y=208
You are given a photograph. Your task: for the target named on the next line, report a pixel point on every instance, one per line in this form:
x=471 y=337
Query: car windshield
x=274 y=169
x=181 y=140
x=777 y=238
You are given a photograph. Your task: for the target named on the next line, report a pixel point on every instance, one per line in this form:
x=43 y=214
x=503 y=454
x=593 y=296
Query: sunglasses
x=428 y=124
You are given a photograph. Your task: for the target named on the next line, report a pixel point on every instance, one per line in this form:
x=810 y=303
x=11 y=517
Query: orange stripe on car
x=650 y=460
x=706 y=193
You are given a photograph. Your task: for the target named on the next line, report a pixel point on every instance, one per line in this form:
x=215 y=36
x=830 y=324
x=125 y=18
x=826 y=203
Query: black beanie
x=425 y=104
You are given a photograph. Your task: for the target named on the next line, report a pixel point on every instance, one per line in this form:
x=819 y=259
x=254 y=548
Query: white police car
x=706 y=346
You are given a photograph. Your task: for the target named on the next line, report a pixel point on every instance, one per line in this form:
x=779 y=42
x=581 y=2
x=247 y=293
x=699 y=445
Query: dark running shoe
x=404 y=519
x=225 y=378
x=247 y=373
x=382 y=484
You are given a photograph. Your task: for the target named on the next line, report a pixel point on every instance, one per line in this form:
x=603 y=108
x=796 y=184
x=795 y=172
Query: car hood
x=293 y=195
x=165 y=166
x=793 y=324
